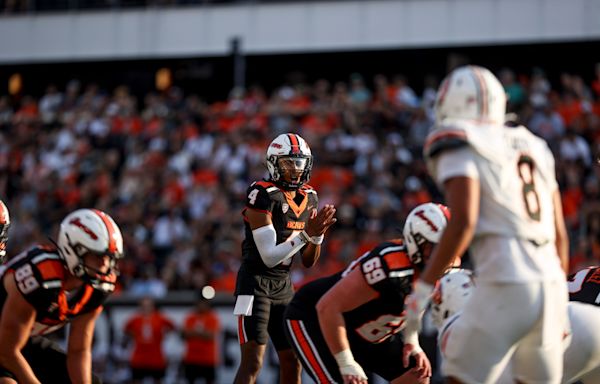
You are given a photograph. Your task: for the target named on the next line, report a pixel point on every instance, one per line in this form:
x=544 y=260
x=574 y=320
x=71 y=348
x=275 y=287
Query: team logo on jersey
x=295 y=225
x=285 y=207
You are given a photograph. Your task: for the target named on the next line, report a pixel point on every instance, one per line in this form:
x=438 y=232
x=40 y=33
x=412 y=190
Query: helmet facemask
x=103 y=281
x=4 y=225
x=293 y=171
x=423 y=250
x=3 y=240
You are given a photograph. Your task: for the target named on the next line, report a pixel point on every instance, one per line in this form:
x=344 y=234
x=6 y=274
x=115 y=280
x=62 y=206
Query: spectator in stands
x=149 y=284
x=514 y=90
x=573 y=147
x=201 y=332
x=170 y=153
x=147 y=330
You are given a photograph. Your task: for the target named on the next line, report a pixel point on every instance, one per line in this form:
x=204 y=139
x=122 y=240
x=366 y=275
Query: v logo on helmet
x=85 y=229
x=421 y=215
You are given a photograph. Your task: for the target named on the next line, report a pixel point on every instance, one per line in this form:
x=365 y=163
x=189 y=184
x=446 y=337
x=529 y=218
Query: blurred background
x=160 y=113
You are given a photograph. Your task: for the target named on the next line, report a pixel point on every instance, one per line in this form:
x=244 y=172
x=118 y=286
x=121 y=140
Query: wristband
x=348 y=366
x=344 y=358
x=413 y=339
x=316 y=240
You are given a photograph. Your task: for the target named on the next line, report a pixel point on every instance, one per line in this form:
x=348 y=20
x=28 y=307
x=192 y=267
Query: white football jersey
x=582 y=354
x=516 y=173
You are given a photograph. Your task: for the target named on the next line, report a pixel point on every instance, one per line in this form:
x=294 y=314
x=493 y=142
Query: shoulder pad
x=266 y=185
x=396 y=259
x=442 y=139
x=50 y=269
x=308 y=189
x=40 y=279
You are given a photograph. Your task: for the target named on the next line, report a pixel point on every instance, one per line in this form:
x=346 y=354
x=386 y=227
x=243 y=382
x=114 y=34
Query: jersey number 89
x=25 y=279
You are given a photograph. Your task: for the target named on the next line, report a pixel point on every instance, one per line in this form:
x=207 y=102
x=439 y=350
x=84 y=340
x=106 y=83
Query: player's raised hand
x=318 y=223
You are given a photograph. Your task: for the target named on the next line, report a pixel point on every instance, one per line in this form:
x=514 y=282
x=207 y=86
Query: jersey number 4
x=252 y=196
x=526 y=167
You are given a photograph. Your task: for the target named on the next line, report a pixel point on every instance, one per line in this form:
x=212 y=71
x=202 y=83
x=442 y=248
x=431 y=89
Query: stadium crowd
x=173 y=170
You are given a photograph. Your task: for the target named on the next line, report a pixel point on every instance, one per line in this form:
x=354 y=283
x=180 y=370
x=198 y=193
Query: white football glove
x=348 y=366
x=416 y=303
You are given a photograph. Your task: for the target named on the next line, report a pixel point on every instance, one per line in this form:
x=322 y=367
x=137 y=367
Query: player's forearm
x=562 y=238
x=14 y=362
x=272 y=253
x=311 y=255
x=79 y=365
x=562 y=248
x=333 y=328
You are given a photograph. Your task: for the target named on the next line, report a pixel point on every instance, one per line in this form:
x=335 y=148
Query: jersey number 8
x=526 y=166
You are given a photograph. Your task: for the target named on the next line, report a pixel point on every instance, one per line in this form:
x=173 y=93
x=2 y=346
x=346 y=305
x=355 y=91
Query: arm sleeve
x=272 y=253
x=456 y=163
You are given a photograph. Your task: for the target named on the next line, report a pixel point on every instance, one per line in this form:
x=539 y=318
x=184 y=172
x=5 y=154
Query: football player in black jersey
x=351 y=320
x=281 y=220
x=4 y=225
x=45 y=288
x=584 y=286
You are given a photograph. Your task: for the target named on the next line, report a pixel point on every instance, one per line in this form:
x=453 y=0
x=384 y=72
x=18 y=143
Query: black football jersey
x=584 y=286
x=39 y=274
x=388 y=270
x=289 y=216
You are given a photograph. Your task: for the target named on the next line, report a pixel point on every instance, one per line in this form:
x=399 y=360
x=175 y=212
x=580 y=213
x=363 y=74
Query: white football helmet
x=293 y=148
x=471 y=93
x=90 y=231
x=425 y=223
x=4 y=225
x=450 y=295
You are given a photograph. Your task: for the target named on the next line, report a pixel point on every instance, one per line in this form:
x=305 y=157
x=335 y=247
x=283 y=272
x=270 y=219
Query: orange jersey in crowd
x=201 y=351
x=148 y=333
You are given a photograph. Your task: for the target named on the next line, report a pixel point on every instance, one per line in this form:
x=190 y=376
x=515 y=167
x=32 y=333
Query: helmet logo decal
x=77 y=222
x=294 y=143
x=276 y=145
x=112 y=241
x=421 y=215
